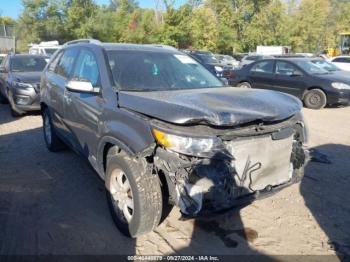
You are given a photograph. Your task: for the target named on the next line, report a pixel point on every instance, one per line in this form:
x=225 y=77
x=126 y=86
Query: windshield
x=50 y=51
x=27 y=64
x=151 y=71
x=1 y=59
x=311 y=68
x=326 y=65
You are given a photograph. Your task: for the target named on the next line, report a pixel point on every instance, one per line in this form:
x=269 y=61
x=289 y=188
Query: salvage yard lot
x=55 y=203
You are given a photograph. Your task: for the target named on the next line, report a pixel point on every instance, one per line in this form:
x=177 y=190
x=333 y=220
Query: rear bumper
x=26 y=99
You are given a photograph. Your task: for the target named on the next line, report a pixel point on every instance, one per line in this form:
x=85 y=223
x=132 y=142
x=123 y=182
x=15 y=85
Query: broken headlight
x=194 y=146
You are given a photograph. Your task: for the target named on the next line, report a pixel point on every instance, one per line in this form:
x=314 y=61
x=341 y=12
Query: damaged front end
x=230 y=166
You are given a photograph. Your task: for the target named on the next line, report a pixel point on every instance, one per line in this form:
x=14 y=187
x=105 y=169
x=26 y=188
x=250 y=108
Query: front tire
x=315 y=99
x=133 y=193
x=52 y=141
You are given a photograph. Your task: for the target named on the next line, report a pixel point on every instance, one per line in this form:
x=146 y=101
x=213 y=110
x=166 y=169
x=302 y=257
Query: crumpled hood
x=27 y=77
x=227 y=106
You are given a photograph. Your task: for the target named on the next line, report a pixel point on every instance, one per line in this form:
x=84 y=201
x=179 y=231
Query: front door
x=83 y=110
x=289 y=79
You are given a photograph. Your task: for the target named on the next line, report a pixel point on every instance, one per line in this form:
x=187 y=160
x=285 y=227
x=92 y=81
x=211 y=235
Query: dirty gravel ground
x=55 y=203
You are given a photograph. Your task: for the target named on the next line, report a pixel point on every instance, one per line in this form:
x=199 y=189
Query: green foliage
x=223 y=26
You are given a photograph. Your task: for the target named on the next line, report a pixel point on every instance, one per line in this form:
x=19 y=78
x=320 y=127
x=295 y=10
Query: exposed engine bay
x=254 y=161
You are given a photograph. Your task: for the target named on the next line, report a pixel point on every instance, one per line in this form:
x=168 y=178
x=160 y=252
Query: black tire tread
x=56 y=143
x=320 y=92
x=149 y=193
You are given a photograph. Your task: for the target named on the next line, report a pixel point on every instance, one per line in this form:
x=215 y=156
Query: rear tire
x=244 y=85
x=52 y=141
x=133 y=193
x=315 y=99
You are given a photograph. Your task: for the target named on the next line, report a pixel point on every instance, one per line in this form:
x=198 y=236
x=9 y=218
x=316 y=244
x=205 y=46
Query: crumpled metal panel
x=228 y=106
x=261 y=162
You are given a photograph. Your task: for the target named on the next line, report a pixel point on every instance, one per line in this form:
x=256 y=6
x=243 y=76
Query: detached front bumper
x=201 y=185
x=26 y=99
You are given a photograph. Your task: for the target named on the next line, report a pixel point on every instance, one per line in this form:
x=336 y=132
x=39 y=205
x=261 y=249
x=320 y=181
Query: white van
x=44 y=48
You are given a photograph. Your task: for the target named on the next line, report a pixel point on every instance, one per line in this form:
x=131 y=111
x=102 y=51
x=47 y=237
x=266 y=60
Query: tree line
x=222 y=26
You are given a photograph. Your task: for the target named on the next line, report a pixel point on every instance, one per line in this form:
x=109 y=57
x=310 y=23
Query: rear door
x=57 y=76
x=289 y=79
x=82 y=110
x=261 y=75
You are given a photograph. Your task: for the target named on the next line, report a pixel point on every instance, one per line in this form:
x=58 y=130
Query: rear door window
x=54 y=62
x=65 y=64
x=263 y=67
x=86 y=68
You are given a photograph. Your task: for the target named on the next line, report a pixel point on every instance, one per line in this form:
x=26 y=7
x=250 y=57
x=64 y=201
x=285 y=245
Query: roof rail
x=162 y=46
x=78 y=41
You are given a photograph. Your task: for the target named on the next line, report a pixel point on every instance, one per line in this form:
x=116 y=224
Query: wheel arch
x=104 y=146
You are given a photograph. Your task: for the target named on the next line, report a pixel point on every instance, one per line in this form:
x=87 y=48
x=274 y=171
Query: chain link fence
x=7 y=38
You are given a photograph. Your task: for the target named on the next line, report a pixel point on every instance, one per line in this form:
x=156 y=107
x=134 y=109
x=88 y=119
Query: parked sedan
x=300 y=77
x=332 y=68
x=343 y=62
x=209 y=61
x=20 y=82
x=227 y=60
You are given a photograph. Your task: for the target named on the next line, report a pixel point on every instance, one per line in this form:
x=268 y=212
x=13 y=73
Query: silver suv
x=161 y=130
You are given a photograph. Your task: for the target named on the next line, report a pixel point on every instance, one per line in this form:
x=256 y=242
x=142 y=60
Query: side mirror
x=2 y=69
x=81 y=87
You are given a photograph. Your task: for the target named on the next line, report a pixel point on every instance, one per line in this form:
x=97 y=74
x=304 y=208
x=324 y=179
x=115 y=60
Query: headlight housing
x=22 y=85
x=339 y=85
x=193 y=146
